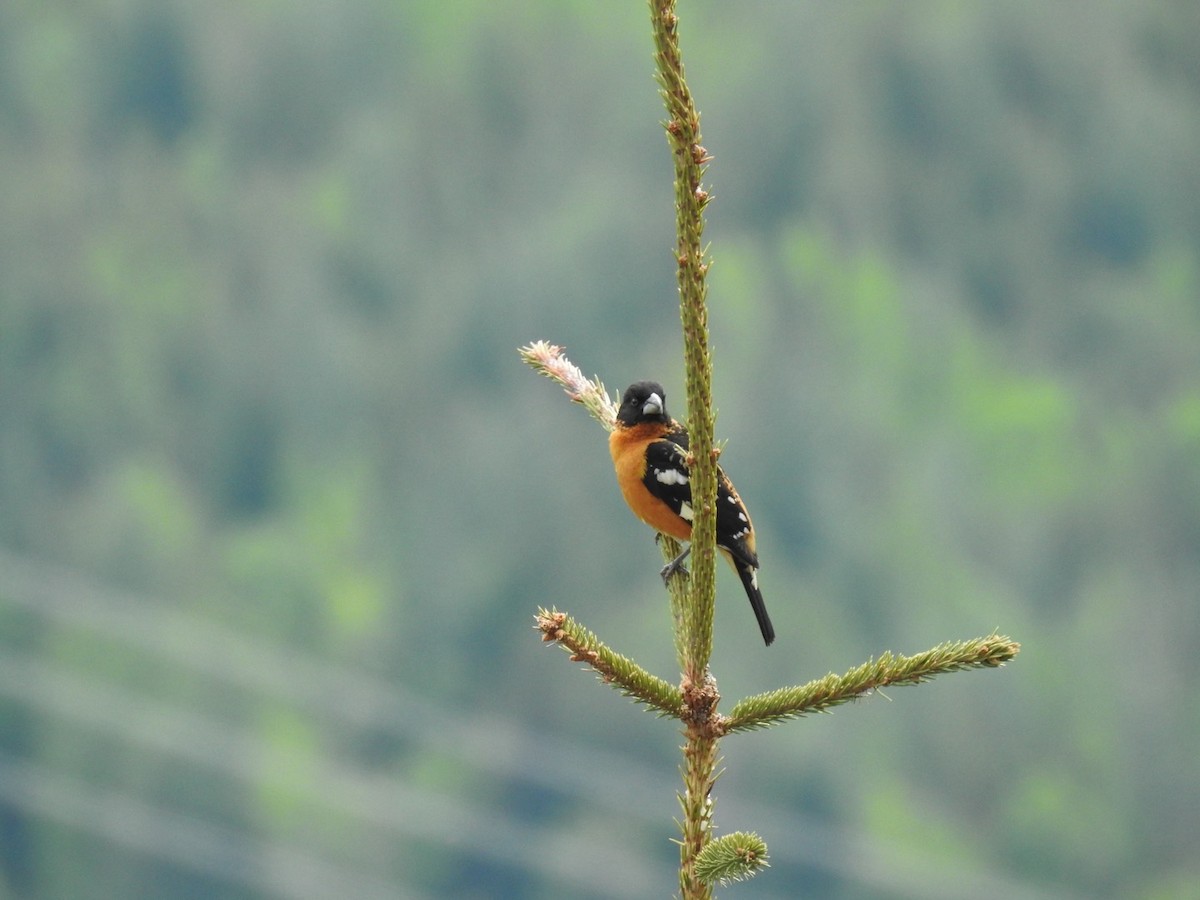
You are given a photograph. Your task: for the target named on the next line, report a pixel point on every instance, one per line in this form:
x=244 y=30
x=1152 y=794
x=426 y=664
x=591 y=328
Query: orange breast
x=627 y=446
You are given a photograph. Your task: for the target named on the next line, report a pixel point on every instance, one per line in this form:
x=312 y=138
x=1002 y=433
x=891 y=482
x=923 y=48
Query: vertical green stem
x=700 y=693
x=699 y=767
x=683 y=136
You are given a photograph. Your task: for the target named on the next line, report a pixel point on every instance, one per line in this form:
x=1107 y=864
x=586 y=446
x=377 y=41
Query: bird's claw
x=675 y=565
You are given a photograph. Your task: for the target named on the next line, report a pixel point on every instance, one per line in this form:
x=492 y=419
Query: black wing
x=734 y=531
x=668 y=478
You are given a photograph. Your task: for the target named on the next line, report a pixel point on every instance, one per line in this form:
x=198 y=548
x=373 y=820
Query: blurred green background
x=278 y=499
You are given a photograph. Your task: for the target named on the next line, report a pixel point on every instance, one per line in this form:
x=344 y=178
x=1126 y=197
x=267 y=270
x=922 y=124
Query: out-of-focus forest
x=278 y=500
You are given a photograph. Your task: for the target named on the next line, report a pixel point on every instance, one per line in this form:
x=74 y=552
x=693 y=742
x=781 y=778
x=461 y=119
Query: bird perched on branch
x=650 y=451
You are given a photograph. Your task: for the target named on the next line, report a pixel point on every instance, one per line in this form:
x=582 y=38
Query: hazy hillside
x=278 y=500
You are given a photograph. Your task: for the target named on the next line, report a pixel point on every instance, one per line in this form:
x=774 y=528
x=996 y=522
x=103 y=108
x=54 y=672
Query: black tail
x=749 y=576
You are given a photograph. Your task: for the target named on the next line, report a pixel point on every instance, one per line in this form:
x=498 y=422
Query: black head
x=644 y=401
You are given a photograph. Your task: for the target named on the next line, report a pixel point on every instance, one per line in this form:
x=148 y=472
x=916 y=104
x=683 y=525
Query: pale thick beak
x=653 y=406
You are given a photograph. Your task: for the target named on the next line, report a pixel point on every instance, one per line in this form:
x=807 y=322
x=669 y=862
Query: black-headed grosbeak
x=649 y=451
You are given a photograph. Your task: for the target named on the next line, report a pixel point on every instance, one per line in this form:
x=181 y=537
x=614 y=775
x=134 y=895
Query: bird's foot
x=675 y=565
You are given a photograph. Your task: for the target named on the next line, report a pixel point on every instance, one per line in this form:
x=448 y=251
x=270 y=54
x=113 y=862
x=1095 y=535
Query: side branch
x=551 y=361
x=818 y=696
x=613 y=668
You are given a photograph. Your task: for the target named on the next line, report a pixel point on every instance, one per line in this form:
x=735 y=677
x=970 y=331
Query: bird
x=649 y=452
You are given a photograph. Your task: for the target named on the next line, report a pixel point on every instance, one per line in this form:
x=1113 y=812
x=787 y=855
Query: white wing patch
x=670 y=476
x=685 y=511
